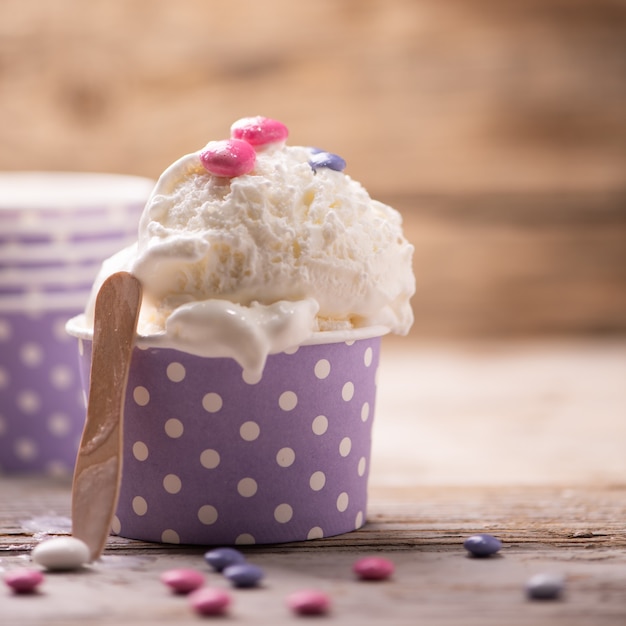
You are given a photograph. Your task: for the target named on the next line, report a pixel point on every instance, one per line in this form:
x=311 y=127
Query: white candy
x=61 y=553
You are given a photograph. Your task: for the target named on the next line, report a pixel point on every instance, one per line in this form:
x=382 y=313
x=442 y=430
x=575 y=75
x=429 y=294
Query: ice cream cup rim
x=136 y=189
x=77 y=327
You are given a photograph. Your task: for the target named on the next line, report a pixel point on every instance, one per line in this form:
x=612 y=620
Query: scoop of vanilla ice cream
x=253 y=264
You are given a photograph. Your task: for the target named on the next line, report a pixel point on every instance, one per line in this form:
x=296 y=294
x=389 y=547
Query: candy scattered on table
x=61 y=553
x=24 y=580
x=244 y=575
x=210 y=601
x=328 y=160
x=482 y=545
x=309 y=602
x=229 y=158
x=545 y=586
x=259 y=131
x=220 y=558
x=373 y=568
x=183 y=580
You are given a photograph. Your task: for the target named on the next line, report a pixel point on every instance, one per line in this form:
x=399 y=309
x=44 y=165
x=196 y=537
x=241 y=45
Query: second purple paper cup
x=212 y=459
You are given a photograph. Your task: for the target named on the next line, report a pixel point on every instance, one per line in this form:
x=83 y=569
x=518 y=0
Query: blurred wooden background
x=497 y=127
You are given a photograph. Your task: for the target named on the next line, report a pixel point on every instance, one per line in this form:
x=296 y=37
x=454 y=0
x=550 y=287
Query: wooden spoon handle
x=97 y=473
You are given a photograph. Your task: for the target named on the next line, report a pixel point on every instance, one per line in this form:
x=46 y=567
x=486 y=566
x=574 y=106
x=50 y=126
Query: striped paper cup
x=56 y=228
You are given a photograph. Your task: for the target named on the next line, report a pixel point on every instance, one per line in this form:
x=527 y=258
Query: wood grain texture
x=578 y=532
x=496 y=126
x=507 y=264
x=98 y=469
x=415 y=94
x=521 y=440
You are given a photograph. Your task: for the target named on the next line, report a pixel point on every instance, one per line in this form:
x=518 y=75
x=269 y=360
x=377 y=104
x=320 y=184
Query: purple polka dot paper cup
x=56 y=228
x=210 y=458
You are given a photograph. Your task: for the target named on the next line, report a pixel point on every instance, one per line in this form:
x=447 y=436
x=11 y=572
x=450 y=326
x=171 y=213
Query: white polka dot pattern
x=322 y=368
x=170 y=536
x=320 y=425
x=317 y=480
x=31 y=354
x=283 y=513
x=345 y=446
x=342 y=501
x=40 y=419
x=315 y=533
x=249 y=431
x=174 y=428
x=347 y=391
x=52 y=251
x=247 y=487
x=59 y=424
x=210 y=458
x=212 y=402
x=175 y=372
x=362 y=466
x=358 y=522
x=207 y=514
x=172 y=484
x=283 y=459
x=140 y=451
x=288 y=400
x=140 y=506
x=141 y=395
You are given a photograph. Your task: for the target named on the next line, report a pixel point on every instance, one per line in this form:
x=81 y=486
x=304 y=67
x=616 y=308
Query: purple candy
x=482 y=544
x=244 y=575
x=220 y=558
x=328 y=160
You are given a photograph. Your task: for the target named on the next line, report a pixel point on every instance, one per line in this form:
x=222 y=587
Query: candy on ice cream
x=250 y=246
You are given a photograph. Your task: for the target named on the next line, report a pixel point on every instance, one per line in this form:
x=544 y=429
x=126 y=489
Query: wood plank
x=497 y=127
x=411 y=517
x=442 y=399
x=439 y=400
x=517 y=264
x=531 y=412
x=470 y=94
x=578 y=532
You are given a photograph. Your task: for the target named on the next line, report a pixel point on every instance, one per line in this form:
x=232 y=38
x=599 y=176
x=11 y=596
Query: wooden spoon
x=98 y=469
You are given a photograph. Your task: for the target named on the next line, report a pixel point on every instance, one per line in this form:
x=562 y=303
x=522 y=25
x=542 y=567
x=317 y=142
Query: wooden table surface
x=526 y=441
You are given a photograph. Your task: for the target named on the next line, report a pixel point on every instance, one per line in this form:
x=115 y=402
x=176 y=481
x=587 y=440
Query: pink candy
x=237 y=156
x=24 y=580
x=229 y=158
x=259 y=131
x=210 y=601
x=309 y=602
x=373 y=568
x=182 y=580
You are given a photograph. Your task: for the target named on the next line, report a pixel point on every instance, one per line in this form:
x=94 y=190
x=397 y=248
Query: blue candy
x=326 y=159
x=244 y=574
x=220 y=558
x=482 y=545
